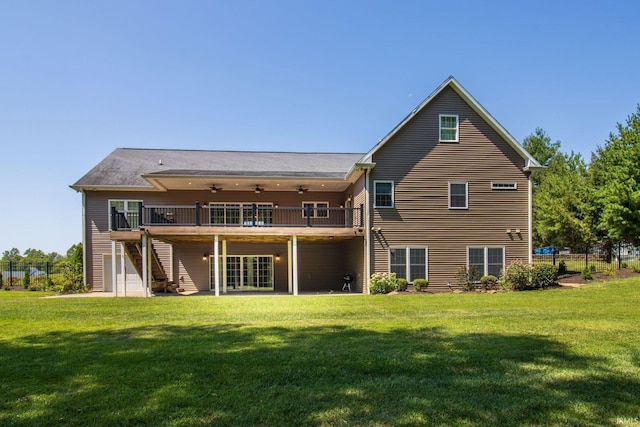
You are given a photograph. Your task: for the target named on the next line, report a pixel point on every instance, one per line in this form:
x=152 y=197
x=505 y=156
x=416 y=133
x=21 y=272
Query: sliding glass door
x=248 y=273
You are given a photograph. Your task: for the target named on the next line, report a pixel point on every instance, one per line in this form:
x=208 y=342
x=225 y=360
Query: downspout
x=530 y=217
x=84 y=240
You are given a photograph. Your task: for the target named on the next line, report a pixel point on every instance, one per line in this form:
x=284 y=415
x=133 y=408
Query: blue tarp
x=547 y=250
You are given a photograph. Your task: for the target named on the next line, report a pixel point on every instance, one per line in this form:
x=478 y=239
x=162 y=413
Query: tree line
x=578 y=204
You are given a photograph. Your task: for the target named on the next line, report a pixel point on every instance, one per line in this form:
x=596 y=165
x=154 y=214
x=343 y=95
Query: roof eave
x=83 y=187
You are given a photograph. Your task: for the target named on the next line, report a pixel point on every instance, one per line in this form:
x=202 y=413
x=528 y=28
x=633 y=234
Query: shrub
x=586 y=274
x=420 y=284
x=26 y=279
x=402 y=284
x=489 y=282
x=504 y=283
x=518 y=276
x=33 y=287
x=592 y=268
x=609 y=272
x=383 y=283
x=562 y=268
x=467 y=277
x=624 y=265
x=543 y=276
x=635 y=269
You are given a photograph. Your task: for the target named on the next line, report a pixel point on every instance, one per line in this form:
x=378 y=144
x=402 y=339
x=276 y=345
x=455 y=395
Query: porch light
x=204 y=257
x=277 y=257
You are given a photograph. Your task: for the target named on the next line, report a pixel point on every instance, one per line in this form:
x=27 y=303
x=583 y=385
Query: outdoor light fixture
x=204 y=256
x=277 y=257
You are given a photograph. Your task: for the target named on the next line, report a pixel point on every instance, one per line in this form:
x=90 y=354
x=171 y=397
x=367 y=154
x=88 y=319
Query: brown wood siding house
x=297 y=222
x=421 y=168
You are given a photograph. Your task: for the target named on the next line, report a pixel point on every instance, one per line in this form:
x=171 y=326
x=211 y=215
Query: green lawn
x=556 y=357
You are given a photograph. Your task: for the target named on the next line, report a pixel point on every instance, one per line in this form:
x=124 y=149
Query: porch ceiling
x=252 y=239
x=240 y=234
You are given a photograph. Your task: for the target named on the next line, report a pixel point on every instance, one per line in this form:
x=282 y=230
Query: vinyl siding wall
x=421 y=169
x=187 y=268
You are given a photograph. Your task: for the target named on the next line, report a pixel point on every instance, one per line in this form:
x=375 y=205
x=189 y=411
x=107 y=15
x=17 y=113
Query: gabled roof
x=147 y=169
x=452 y=83
x=131 y=168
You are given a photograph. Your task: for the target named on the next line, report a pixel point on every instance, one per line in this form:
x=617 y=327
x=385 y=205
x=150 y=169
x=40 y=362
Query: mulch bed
x=576 y=278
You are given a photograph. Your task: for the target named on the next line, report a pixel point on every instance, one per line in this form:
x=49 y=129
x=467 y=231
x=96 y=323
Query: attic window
x=504 y=185
x=448 y=128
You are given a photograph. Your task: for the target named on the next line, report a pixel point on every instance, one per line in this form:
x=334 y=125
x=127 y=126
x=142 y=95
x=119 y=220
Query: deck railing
x=238 y=215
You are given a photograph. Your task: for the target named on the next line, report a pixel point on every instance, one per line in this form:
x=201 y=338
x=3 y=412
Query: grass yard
x=556 y=357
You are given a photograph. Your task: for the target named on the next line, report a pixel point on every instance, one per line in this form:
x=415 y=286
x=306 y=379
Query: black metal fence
x=22 y=273
x=599 y=258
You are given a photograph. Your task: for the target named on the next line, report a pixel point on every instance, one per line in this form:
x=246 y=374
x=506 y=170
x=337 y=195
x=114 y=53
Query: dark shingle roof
x=124 y=167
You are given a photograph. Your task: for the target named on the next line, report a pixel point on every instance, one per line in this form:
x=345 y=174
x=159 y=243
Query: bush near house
x=543 y=276
x=489 y=282
x=520 y=276
x=468 y=277
x=402 y=284
x=420 y=284
x=383 y=283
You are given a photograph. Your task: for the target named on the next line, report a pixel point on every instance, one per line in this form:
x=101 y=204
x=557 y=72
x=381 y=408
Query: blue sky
x=80 y=78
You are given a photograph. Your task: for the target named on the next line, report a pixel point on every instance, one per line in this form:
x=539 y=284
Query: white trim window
x=504 y=185
x=409 y=262
x=458 y=195
x=318 y=209
x=448 y=128
x=128 y=212
x=383 y=194
x=238 y=213
x=486 y=259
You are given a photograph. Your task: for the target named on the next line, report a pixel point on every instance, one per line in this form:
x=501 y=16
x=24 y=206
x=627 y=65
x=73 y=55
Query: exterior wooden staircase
x=134 y=252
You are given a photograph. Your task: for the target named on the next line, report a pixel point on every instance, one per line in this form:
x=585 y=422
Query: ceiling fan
x=302 y=190
x=215 y=189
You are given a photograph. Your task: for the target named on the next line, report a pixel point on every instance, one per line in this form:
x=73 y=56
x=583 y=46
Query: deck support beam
x=289 y=267
x=224 y=266
x=123 y=268
x=294 y=245
x=114 y=269
x=145 y=265
x=216 y=264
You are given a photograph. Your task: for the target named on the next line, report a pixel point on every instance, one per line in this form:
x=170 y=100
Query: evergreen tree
x=615 y=174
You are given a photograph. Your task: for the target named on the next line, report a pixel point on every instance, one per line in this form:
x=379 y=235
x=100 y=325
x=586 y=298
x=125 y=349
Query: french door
x=248 y=273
